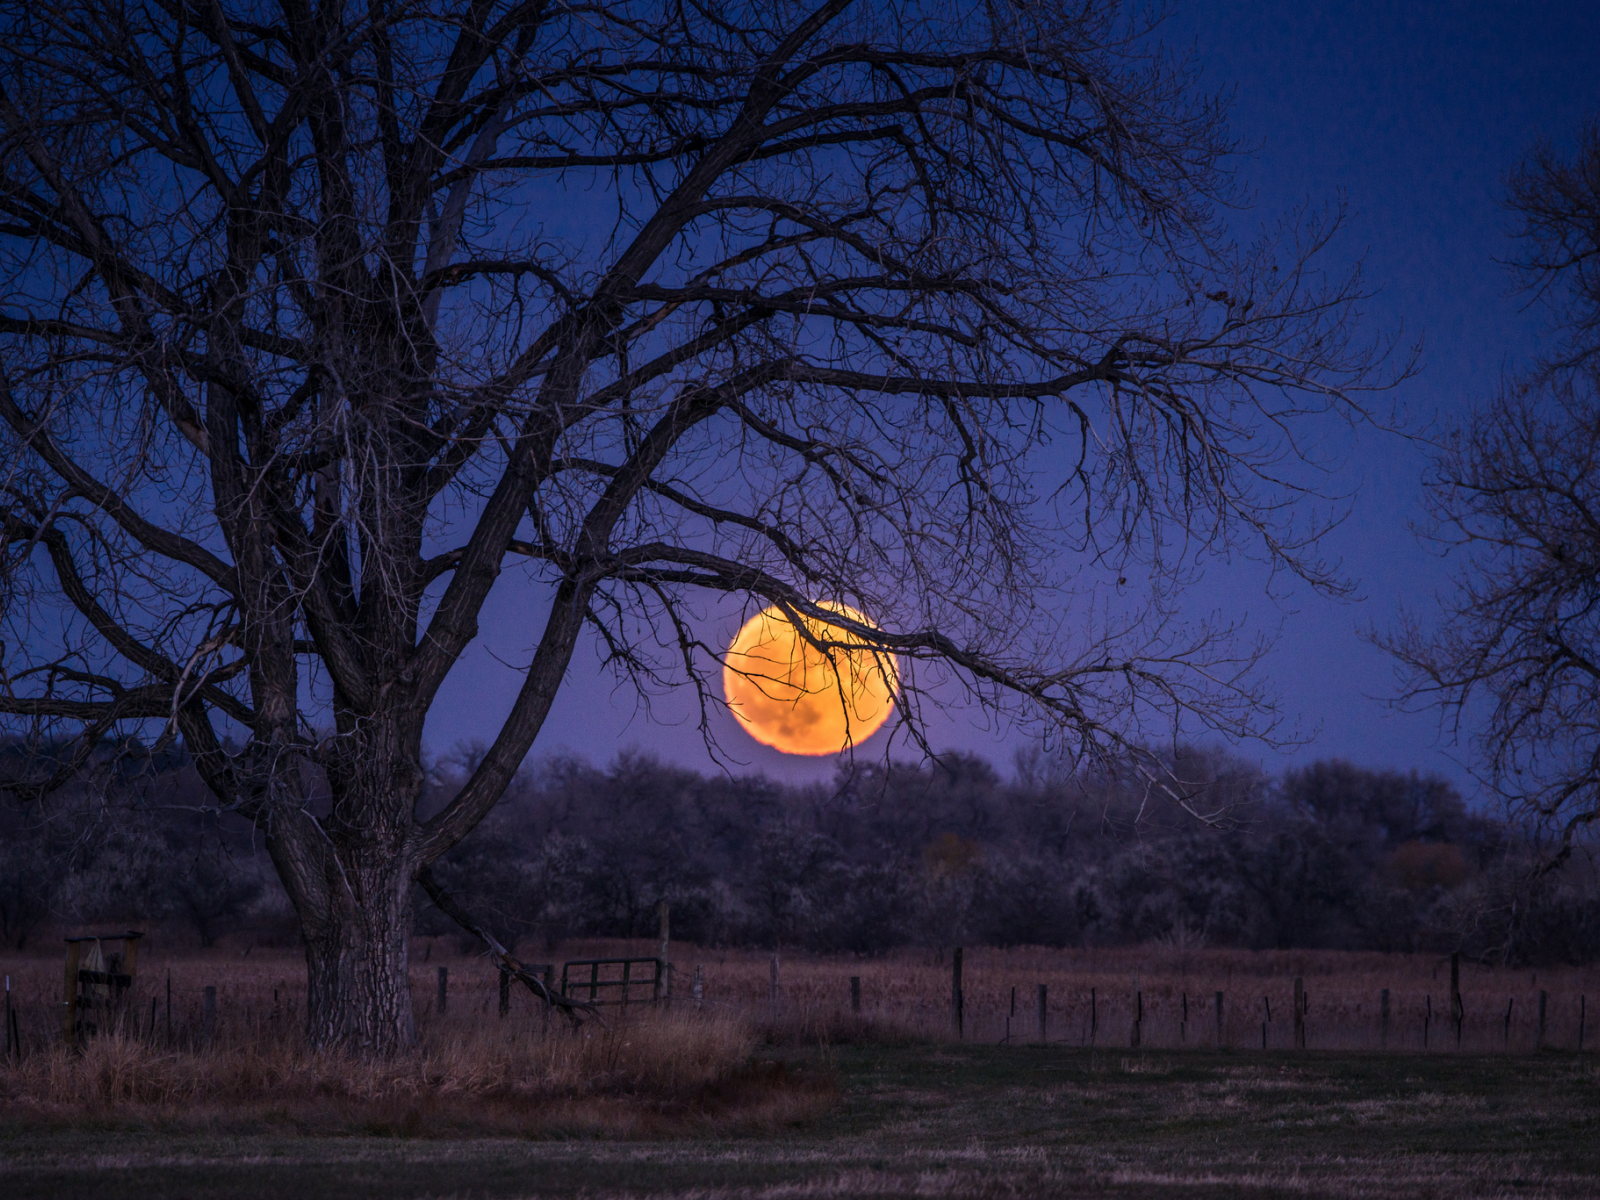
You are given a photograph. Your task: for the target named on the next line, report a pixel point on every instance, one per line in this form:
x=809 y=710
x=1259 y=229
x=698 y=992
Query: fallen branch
x=447 y=905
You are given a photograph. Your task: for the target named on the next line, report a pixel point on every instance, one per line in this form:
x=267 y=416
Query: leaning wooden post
x=956 y=1014
x=1300 y=1013
x=69 y=1002
x=1544 y=1000
x=444 y=990
x=664 y=955
x=1138 y=1021
x=1219 y=1020
x=1458 y=1011
x=1383 y=1019
x=1043 y=1029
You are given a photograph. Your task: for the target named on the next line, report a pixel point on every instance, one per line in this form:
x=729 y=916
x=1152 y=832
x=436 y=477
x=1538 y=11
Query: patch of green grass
x=952 y=1121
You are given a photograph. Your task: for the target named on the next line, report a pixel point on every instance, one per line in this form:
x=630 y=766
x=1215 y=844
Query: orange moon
x=789 y=695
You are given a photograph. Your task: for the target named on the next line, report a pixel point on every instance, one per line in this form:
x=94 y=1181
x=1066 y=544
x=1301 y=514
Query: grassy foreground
x=945 y=1121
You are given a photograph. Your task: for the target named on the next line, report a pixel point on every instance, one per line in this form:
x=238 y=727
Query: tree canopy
x=319 y=318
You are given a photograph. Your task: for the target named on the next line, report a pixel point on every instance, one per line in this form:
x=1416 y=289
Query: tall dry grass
x=663 y=1054
x=695 y=1060
x=630 y=1071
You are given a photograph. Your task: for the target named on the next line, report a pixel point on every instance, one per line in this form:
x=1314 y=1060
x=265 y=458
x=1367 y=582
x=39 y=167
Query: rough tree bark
x=921 y=309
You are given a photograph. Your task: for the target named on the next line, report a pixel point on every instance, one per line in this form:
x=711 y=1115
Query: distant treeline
x=942 y=853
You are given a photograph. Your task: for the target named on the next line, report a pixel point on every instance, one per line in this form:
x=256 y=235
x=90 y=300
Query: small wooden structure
x=614 y=986
x=96 y=983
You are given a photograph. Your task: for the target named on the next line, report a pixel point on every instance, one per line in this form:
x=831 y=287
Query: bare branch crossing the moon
x=816 y=692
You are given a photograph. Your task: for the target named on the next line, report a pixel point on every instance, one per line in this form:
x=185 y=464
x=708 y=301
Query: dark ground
x=951 y=1121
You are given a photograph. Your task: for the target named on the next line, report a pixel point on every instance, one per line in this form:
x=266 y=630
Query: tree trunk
x=355 y=910
x=358 y=961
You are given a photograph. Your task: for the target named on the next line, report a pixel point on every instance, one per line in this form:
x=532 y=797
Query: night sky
x=1412 y=113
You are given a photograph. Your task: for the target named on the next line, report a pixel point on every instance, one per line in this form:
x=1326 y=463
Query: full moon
x=789 y=695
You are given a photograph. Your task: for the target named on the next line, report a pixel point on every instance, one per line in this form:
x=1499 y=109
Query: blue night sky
x=1412 y=113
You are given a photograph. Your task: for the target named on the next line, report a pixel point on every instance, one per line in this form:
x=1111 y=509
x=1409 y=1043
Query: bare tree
x=320 y=316
x=1514 y=657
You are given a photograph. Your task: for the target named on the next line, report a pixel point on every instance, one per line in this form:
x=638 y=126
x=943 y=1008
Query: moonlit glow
x=789 y=694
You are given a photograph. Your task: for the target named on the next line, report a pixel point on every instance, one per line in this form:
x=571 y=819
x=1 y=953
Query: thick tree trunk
x=351 y=887
x=358 y=959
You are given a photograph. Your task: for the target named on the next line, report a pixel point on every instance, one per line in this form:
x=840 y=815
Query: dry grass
x=945 y=1120
x=635 y=1071
x=655 y=1053
x=648 y=1069
x=907 y=994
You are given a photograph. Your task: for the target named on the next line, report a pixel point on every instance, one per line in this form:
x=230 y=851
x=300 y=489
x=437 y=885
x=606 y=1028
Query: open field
x=946 y=1121
x=908 y=994
x=739 y=1096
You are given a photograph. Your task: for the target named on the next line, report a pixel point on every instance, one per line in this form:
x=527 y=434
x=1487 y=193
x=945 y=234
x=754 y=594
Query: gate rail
x=594 y=989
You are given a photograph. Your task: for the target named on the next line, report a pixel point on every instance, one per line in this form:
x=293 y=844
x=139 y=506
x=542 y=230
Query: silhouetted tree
x=298 y=362
x=1514 y=658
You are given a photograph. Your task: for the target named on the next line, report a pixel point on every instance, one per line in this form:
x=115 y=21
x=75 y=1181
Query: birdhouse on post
x=97 y=981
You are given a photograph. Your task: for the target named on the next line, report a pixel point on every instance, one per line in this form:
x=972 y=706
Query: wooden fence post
x=1042 y=1027
x=699 y=985
x=666 y=950
x=1138 y=1020
x=956 y=1014
x=1219 y=1020
x=1266 y=1012
x=1427 y=1017
x=130 y=960
x=1458 y=1011
x=1094 y=1017
x=1383 y=1020
x=1505 y=1040
x=1544 y=999
x=444 y=990
x=69 y=997
x=1299 y=1013
x=855 y=993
